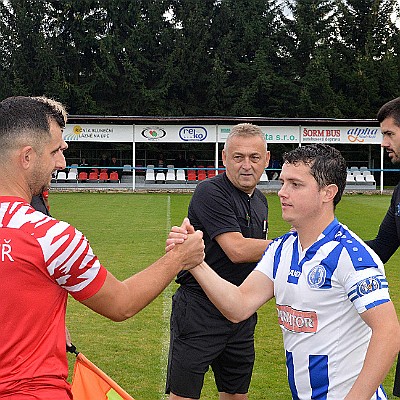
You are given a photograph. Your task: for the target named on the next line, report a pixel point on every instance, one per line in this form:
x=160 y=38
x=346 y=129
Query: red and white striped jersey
x=41 y=261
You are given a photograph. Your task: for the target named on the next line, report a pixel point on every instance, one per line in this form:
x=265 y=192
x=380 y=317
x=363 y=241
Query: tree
x=189 y=63
x=366 y=46
x=310 y=26
x=326 y=58
x=248 y=37
x=27 y=60
x=77 y=31
x=135 y=50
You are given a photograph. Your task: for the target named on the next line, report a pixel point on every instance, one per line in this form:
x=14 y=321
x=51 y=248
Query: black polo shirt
x=217 y=207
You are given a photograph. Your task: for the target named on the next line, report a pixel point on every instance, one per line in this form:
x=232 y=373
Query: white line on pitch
x=166 y=312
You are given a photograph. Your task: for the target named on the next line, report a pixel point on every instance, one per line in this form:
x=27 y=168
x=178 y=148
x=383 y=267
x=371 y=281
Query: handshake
x=187 y=241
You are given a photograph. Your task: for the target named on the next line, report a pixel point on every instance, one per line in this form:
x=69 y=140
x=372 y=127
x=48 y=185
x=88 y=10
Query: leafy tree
x=77 y=31
x=317 y=98
x=248 y=37
x=365 y=47
x=310 y=26
x=136 y=49
x=189 y=63
x=322 y=58
x=27 y=60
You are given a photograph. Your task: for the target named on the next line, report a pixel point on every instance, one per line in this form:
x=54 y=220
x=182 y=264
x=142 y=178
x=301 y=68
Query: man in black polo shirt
x=388 y=239
x=233 y=216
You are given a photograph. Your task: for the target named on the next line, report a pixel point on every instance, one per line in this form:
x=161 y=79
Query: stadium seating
x=93 y=177
x=72 y=176
x=61 y=176
x=103 y=177
x=191 y=175
x=160 y=177
x=82 y=176
x=170 y=178
x=350 y=179
x=180 y=176
x=264 y=178
x=201 y=175
x=211 y=172
x=370 y=180
x=127 y=169
x=114 y=177
x=360 y=179
x=150 y=176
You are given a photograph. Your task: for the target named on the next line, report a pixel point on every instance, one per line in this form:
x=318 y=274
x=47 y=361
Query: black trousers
x=396 y=386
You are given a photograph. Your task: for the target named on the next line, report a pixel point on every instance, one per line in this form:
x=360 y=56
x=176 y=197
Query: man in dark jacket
x=388 y=239
x=40 y=202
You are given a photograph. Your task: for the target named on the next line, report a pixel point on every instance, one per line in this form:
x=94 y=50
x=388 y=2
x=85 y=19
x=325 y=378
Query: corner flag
x=90 y=383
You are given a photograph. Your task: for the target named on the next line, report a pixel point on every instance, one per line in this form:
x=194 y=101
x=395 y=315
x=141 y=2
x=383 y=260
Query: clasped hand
x=179 y=234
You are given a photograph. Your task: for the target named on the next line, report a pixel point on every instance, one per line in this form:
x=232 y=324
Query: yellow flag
x=90 y=383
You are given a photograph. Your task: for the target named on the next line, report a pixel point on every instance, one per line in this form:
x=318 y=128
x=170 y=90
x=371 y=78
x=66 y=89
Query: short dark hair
x=326 y=163
x=390 y=109
x=28 y=119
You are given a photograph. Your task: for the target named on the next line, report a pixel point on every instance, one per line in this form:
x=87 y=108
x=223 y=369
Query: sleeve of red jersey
x=71 y=263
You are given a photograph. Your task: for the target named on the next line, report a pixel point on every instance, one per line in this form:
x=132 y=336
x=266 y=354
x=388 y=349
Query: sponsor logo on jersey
x=316 y=277
x=297 y=320
x=368 y=285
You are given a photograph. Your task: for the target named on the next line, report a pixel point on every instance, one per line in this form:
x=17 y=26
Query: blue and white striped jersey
x=320 y=292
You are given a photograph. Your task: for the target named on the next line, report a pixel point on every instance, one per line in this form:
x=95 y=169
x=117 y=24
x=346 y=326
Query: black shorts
x=201 y=337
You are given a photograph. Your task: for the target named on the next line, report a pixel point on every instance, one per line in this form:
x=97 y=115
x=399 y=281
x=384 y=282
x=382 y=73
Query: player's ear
x=25 y=156
x=224 y=157
x=330 y=192
x=267 y=159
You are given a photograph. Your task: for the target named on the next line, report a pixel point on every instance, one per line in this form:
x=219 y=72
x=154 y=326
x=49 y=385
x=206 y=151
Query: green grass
x=127 y=231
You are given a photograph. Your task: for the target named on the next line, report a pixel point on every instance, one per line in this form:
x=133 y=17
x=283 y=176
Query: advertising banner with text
x=273 y=134
x=218 y=133
x=342 y=135
x=98 y=133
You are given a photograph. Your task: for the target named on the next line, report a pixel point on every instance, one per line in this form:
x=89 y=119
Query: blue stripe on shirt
x=290 y=371
x=319 y=379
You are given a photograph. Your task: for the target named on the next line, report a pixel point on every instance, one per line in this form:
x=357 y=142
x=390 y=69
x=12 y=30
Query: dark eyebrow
x=387 y=132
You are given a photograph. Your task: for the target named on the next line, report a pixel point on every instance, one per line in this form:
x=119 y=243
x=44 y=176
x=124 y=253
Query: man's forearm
x=381 y=354
x=223 y=294
x=373 y=372
x=120 y=300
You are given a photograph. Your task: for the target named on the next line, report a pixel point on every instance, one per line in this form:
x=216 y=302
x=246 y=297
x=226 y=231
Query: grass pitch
x=127 y=232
